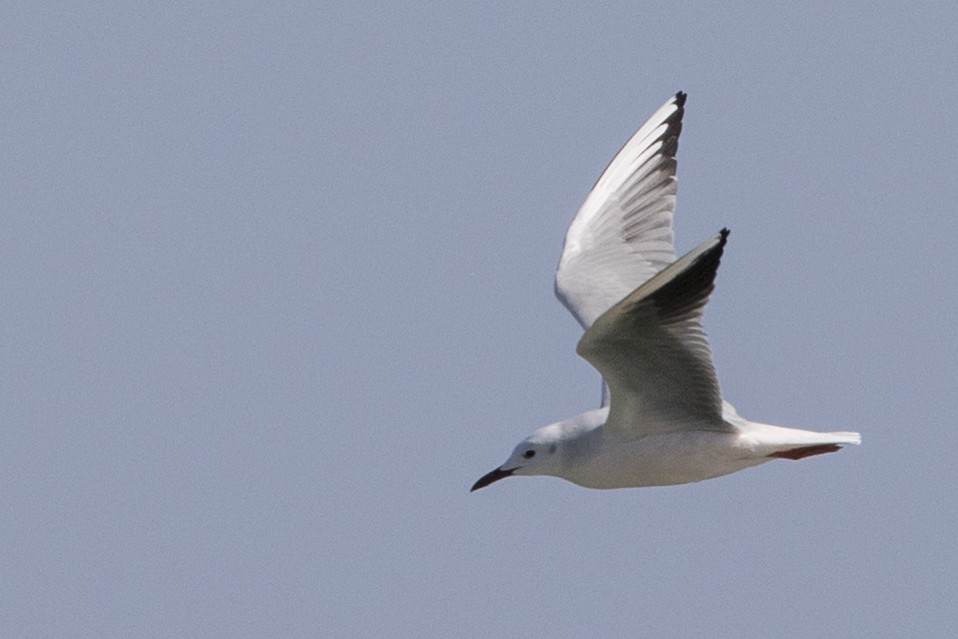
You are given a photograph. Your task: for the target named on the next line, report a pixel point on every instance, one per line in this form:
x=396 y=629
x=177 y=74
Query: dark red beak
x=490 y=477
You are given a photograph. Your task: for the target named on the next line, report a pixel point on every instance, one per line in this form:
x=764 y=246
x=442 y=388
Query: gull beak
x=490 y=477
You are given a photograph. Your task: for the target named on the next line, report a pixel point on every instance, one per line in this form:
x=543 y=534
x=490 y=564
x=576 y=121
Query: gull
x=662 y=420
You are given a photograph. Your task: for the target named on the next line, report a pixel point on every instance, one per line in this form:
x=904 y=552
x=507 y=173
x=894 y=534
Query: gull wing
x=622 y=234
x=653 y=353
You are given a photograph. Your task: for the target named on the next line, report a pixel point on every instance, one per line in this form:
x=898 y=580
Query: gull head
x=538 y=454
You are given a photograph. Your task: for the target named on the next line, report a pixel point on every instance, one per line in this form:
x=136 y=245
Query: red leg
x=806 y=451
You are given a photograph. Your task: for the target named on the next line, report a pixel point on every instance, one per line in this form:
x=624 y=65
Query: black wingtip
x=680 y=98
x=685 y=285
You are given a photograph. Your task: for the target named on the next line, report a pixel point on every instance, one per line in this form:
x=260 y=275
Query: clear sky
x=277 y=289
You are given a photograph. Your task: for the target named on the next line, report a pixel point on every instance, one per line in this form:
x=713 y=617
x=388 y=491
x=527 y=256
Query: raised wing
x=653 y=353
x=622 y=234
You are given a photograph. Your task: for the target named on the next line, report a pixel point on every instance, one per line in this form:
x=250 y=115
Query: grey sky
x=277 y=283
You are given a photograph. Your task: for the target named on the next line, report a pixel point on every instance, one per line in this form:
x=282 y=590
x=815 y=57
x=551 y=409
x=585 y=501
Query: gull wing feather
x=653 y=352
x=622 y=234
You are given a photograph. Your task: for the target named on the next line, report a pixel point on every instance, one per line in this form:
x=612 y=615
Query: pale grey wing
x=622 y=234
x=654 y=354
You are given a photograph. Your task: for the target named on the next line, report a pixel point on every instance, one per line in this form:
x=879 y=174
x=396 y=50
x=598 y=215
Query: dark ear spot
x=552 y=448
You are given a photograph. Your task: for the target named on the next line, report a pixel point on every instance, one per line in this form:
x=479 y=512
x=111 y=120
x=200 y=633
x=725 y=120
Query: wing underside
x=622 y=234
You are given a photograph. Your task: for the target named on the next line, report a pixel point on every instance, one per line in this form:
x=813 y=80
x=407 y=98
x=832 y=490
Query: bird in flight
x=662 y=420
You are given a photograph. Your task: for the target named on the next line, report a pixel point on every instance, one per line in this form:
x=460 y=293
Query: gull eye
x=529 y=454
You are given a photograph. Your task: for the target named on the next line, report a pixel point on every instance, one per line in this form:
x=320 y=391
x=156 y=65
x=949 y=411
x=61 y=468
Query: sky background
x=277 y=289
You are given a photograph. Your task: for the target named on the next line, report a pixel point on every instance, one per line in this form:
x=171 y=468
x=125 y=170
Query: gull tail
x=802 y=452
x=792 y=443
x=827 y=443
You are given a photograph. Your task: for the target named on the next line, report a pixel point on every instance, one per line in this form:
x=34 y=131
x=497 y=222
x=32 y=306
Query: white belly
x=662 y=460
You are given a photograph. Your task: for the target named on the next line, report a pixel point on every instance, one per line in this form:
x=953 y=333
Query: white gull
x=662 y=419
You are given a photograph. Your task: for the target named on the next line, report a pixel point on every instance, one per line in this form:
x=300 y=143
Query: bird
x=662 y=419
